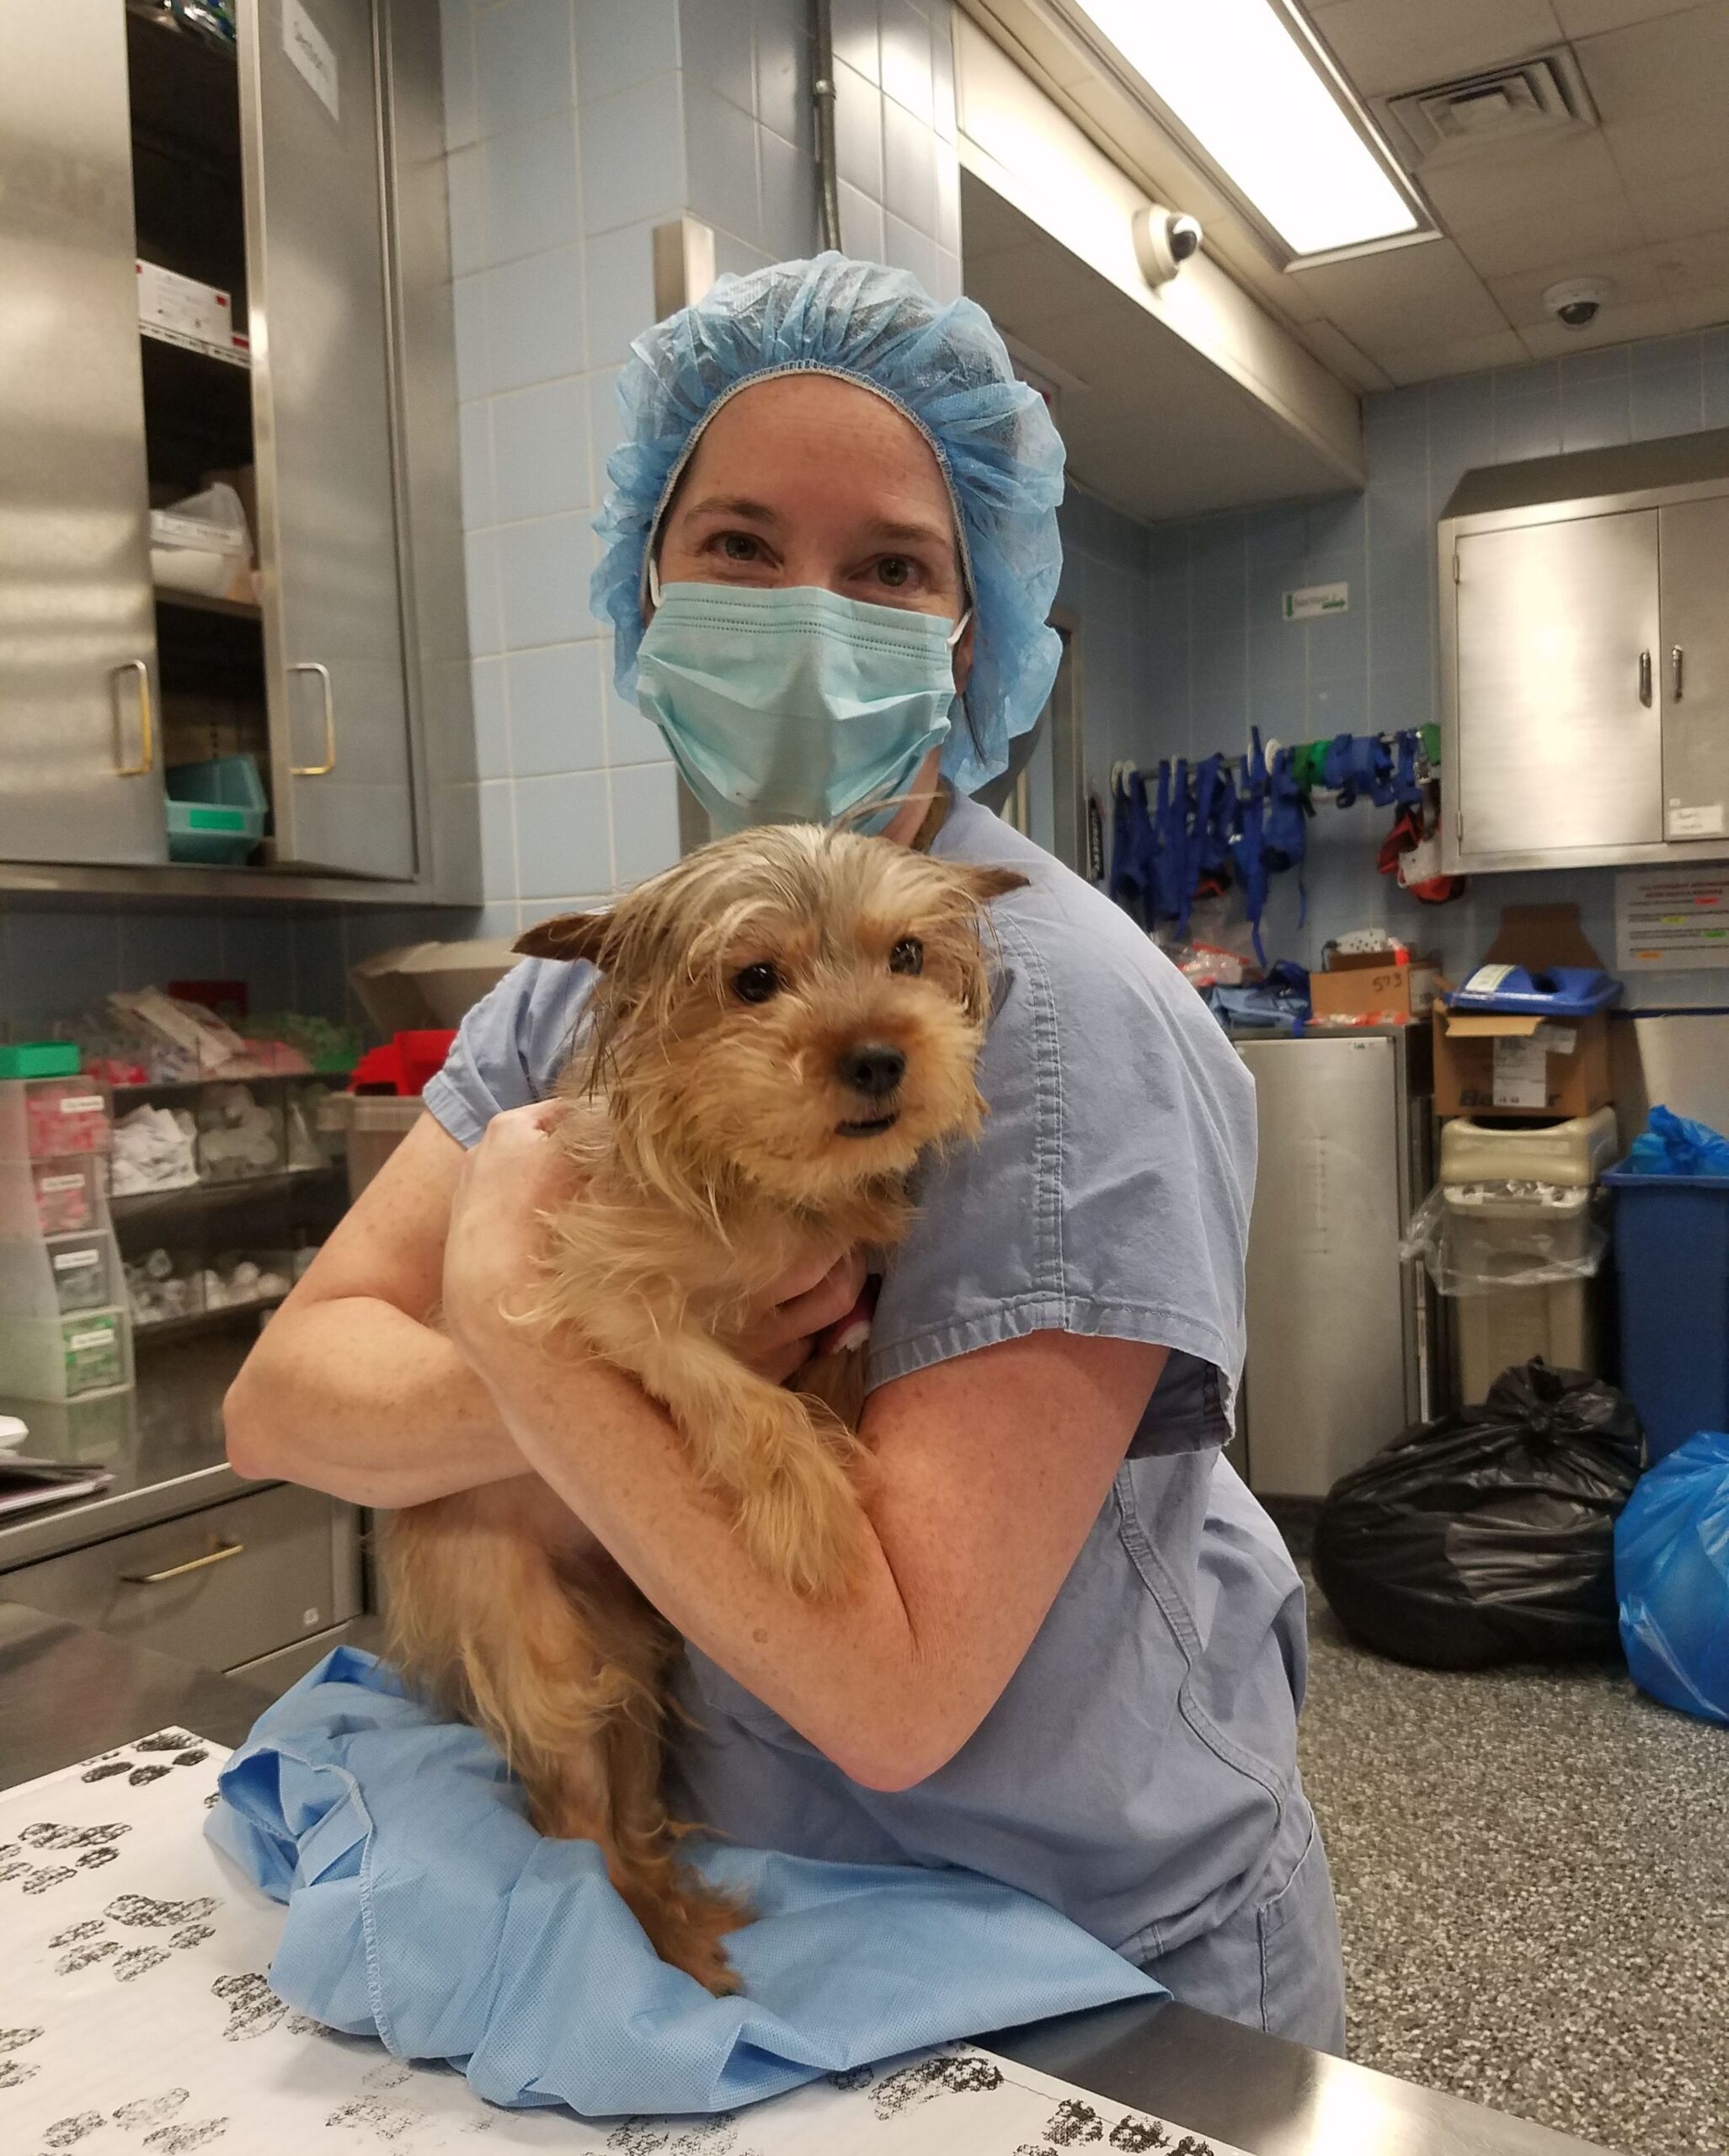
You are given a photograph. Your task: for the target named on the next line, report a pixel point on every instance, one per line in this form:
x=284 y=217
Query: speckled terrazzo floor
x=1533 y=1877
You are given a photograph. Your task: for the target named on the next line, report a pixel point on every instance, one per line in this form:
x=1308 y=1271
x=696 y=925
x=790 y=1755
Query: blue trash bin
x=1672 y=1260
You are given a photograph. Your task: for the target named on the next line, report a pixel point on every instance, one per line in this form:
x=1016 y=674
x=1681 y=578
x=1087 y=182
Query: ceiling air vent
x=1530 y=98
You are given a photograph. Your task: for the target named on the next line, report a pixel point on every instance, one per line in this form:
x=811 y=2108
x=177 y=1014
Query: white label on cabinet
x=1521 y=1074
x=1704 y=823
x=309 y=49
x=76 y=1261
x=80 y=1104
x=61 y=1182
x=1671 y=920
x=1317 y=598
x=101 y=1337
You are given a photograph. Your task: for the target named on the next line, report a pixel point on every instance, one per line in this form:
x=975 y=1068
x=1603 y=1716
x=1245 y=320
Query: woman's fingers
x=829 y=1301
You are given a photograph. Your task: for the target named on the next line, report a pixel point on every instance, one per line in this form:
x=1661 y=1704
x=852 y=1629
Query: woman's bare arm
x=350 y=1389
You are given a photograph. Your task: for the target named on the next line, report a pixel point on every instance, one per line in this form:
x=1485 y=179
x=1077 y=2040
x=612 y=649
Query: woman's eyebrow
x=738 y=505
x=929 y=534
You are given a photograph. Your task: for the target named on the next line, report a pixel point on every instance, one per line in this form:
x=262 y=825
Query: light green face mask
x=791 y=705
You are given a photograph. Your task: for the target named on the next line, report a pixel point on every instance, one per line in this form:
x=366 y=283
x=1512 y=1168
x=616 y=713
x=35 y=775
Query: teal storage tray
x=212 y=836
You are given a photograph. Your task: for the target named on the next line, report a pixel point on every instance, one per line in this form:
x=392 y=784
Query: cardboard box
x=1511 y=1066
x=1367 y=986
x=429 y=984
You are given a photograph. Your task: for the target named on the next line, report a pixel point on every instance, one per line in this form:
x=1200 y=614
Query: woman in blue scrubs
x=1075 y=1658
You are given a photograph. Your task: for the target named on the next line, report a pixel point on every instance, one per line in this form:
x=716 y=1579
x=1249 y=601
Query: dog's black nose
x=873 y=1069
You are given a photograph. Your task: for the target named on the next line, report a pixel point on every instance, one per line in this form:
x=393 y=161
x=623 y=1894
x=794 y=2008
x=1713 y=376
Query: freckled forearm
x=849 y=1673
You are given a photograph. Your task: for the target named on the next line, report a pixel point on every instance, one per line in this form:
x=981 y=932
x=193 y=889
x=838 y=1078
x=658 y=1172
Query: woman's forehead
x=792 y=428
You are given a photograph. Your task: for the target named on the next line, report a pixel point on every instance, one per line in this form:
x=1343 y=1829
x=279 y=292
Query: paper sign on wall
x=310 y=50
x=1317 y=598
x=1670 y=921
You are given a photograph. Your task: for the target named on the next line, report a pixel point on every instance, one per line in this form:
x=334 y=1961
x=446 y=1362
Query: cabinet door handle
x=317 y=770
x=1675 y=669
x=1644 y=678
x=217 y=1556
x=146 y=722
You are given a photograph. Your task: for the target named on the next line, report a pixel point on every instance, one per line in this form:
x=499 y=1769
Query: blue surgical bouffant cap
x=948 y=372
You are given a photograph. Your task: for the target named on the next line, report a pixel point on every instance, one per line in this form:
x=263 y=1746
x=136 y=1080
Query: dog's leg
x=685 y=1919
x=507 y=1614
x=781 y=1462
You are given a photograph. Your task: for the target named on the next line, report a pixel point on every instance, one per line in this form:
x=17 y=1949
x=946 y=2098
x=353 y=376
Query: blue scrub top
x=1138 y=1768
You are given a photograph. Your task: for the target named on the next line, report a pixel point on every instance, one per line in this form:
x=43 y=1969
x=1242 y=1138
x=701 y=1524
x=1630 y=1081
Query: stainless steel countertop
x=162 y=1442
x=66 y=1693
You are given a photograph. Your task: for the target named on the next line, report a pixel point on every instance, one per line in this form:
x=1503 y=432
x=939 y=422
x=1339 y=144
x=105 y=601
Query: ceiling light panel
x=1249 y=90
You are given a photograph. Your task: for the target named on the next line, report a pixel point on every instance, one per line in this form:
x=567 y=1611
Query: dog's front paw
x=803 y=1522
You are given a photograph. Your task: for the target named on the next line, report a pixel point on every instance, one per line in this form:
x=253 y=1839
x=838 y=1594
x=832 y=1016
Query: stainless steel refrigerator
x=1340 y=1330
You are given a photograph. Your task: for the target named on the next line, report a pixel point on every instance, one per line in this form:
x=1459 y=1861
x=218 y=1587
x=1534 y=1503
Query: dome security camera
x=1164 y=240
x=1576 y=301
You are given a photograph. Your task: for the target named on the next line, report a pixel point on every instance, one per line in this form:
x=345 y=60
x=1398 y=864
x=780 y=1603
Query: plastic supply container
x=1519 y=1201
x=163 y=1284
x=51 y=1197
x=217 y=810
x=46 y=1118
x=374 y=1125
x=1572 y=1154
x=1671 y=1255
x=66 y=1357
x=40 y=1059
x=201 y=544
x=53 y=1276
x=241 y=1132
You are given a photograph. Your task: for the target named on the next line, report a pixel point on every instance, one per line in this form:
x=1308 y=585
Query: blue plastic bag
x=1672 y=1145
x=1671 y=1578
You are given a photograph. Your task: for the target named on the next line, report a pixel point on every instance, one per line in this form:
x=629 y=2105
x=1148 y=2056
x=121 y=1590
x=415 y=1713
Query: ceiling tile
x=1638 y=275
x=1404 y=295
x=1537 y=179
x=1702 y=309
x=1387 y=45
x=1589 y=18
x=1695 y=264
x=1616 y=325
x=1465 y=355
x=1677 y=211
x=1334 y=349
x=1587 y=228
x=1673 y=64
x=1654 y=149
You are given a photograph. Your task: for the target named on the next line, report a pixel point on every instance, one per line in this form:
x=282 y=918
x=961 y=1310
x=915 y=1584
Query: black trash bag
x=1488 y=1536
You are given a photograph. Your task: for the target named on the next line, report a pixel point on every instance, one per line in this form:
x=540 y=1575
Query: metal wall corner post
x=684 y=271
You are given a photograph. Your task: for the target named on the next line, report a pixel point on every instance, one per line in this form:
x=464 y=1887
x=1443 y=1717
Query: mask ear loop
x=654 y=581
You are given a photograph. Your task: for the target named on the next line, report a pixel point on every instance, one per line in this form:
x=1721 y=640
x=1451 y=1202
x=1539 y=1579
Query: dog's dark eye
x=908 y=956
x=755 y=984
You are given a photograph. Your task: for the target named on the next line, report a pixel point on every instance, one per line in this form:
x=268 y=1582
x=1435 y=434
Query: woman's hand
x=803 y=1305
x=517 y=1172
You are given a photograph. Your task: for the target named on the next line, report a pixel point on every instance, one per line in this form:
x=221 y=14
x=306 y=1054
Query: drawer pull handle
x=192 y=1564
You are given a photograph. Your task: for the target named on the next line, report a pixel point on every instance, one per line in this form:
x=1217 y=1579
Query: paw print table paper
x=136 y=2019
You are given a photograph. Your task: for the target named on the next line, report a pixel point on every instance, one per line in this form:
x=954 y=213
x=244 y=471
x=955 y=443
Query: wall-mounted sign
x=1317 y=598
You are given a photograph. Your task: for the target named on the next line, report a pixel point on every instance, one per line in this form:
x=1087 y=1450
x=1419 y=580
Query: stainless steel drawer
x=219 y=1586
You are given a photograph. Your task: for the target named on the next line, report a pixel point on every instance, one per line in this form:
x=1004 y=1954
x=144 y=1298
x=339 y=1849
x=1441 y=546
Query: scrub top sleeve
x=1109 y=1194
x=511 y=1047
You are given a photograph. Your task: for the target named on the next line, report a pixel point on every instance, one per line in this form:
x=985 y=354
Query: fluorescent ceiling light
x=1237 y=78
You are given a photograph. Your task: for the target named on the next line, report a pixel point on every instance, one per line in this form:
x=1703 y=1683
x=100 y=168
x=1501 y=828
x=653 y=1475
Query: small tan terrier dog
x=783 y=1024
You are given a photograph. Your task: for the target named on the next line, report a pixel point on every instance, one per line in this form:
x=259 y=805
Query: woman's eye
x=908 y=956
x=755 y=984
x=741 y=546
x=896 y=571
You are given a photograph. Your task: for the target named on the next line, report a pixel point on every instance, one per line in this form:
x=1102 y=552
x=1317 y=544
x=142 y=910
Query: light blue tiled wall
x=574 y=128
x=1106 y=561
x=1220 y=656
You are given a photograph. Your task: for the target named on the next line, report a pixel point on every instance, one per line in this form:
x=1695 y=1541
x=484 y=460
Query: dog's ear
x=985 y=884
x=567 y=935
